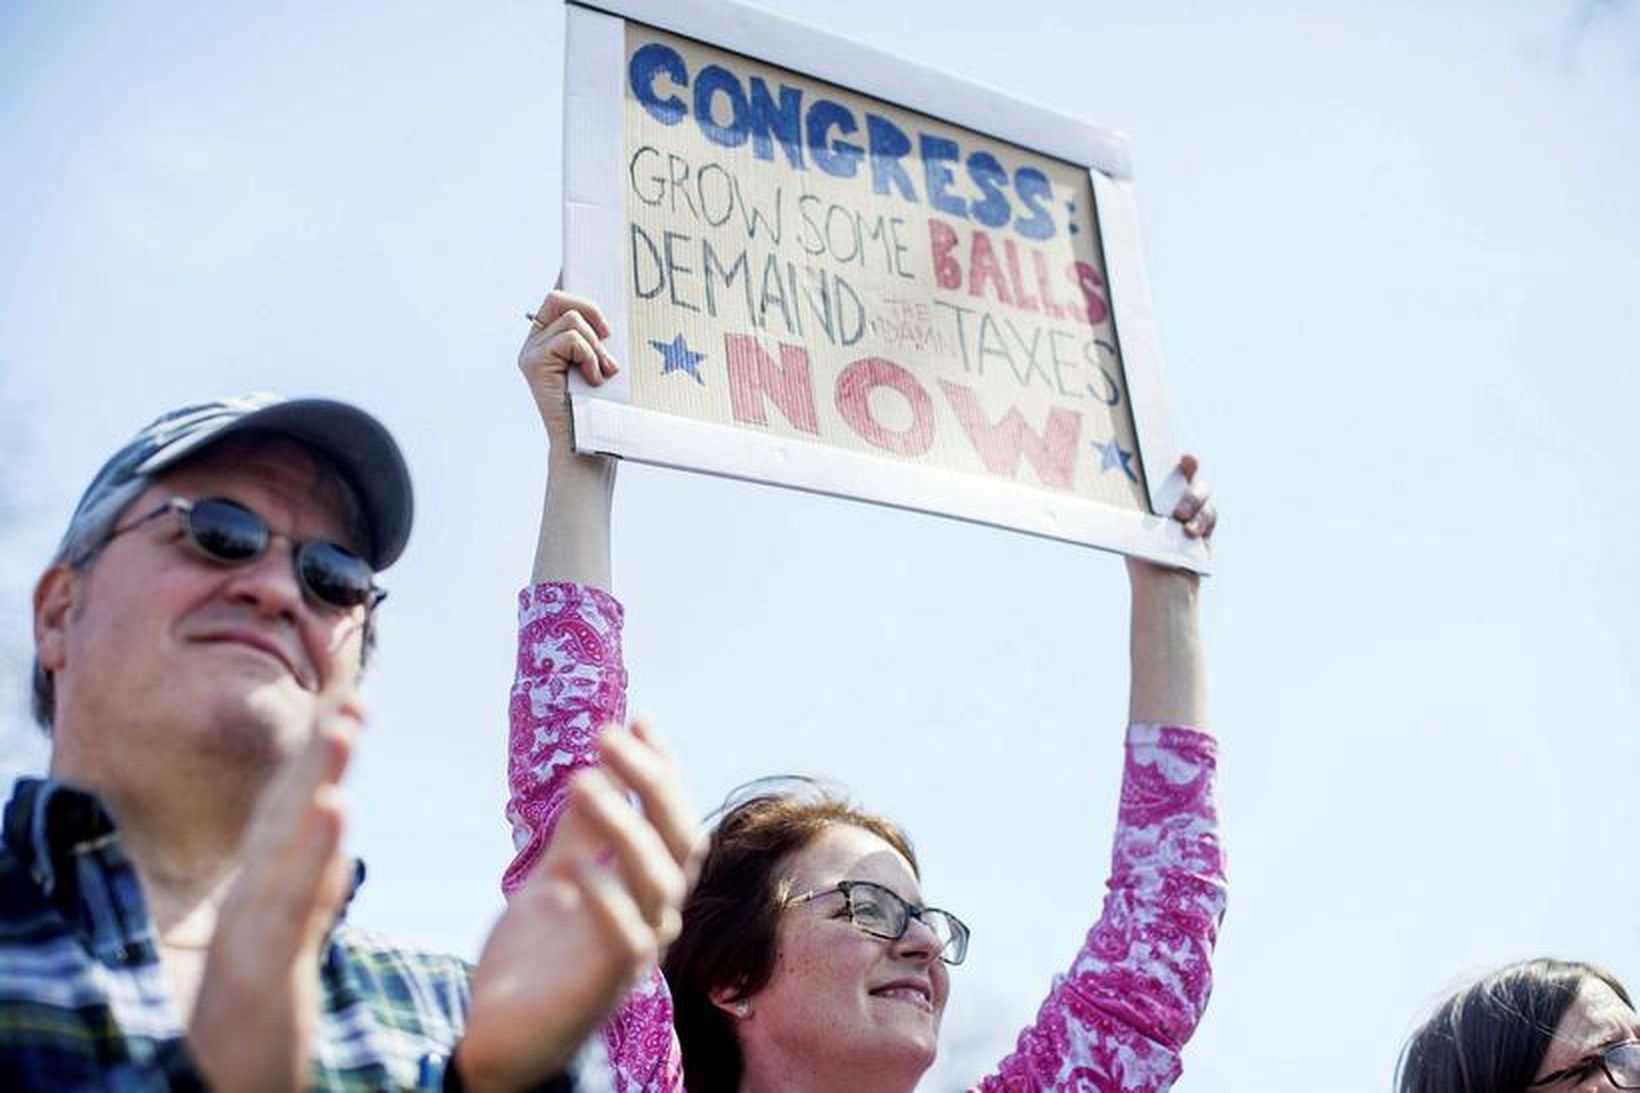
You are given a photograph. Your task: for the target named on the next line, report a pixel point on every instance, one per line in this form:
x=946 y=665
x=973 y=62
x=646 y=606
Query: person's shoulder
x=373 y=948
x=403 y=974
x=25 y=918
x=13 y=871
x=387 y=1004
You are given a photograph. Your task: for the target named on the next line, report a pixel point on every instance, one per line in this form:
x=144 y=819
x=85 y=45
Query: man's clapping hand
x=596 y=913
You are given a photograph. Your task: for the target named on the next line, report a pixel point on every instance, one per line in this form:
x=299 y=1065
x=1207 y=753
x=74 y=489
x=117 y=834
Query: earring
x=743 y=1010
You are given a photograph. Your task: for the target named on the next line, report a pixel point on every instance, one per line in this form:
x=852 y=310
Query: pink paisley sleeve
x=570 y=682
x=1133 y=996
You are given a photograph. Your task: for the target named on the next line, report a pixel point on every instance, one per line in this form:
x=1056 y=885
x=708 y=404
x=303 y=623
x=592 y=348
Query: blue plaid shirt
x=84 y=1003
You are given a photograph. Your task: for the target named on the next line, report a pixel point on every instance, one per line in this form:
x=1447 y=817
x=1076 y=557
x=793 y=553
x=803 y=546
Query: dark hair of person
x=731 y=921
x=1491 y=1036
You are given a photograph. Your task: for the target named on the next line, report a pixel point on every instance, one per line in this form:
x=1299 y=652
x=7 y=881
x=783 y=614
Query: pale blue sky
x=1395 y=255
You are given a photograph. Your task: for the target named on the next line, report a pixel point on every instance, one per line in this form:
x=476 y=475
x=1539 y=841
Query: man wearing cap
x=172 y=895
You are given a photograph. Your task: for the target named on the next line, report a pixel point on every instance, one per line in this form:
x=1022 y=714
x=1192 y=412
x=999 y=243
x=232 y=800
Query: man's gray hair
x=91 y=528
x=86 y=535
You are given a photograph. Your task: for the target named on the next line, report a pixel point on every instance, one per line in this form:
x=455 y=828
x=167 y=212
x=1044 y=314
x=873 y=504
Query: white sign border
x=595 y=236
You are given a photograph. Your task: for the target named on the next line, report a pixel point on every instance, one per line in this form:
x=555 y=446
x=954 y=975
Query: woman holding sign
x=808 y=958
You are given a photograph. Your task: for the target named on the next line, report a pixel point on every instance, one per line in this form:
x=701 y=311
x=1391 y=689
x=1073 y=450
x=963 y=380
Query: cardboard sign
x=844 y=285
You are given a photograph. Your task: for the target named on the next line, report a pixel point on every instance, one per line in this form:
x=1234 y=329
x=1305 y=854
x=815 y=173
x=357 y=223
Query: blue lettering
x=992 y=210
x=888 y=144
x=936 y=153
x=710 y=82
x=839 y=158
x=1033 y=188
x=646 y=62
x=767 y=116
x=783 y=122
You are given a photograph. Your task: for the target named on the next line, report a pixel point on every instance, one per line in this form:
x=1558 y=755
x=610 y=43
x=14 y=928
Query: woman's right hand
x=566 y=332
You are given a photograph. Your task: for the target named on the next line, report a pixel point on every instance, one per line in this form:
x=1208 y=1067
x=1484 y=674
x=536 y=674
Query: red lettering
x=1095 y=308
x=1052 y=455
x=1022 y=298
x=854 y=386
x=753 y=375
x=983 y=268
x=942 y=237
x=1044 y=285
x=1009 y=282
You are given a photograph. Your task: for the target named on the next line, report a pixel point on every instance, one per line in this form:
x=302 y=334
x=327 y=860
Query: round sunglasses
x=228 y=533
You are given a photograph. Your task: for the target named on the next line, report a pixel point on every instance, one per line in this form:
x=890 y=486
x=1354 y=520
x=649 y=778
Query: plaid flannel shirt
x=84 y=1001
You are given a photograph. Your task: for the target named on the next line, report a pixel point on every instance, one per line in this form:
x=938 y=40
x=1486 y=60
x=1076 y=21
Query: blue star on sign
x=676 y=356
x=1112 y=455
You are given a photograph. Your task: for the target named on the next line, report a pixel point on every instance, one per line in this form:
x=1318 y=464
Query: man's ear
x=56 y=594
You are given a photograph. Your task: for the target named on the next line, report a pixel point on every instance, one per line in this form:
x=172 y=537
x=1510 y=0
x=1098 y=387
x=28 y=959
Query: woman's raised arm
x=1167 y=685
x=570 y=680
x=1119 y=1016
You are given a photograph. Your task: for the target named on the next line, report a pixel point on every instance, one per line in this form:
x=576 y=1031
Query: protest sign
x=830 y=269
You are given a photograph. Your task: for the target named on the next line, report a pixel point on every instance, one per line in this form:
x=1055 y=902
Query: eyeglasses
x=1621 y=1062
x=882 y=913
x=228 y=533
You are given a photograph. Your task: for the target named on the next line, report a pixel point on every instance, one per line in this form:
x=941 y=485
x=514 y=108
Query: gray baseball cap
x=358 y=445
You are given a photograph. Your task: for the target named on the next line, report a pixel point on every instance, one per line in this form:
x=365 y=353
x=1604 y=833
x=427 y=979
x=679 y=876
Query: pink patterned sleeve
x=570 y=682
x=1133 y=995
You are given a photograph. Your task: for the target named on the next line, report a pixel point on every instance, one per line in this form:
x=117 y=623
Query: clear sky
x=1394 y=250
